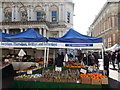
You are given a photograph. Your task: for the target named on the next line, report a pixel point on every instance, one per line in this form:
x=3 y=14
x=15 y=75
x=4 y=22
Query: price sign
x=29 y=72
x=90 y=69
x=83 y=71
x=6 y=60
x=77 y=81
x=58 y=69
x=37 y=64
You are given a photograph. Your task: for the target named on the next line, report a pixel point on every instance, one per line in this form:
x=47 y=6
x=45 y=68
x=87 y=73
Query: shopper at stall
x=110 y=57
x=96 y=56
x=118 y=61
x=59 y=60
x=91 y=59
x=85 y=59
x=106 y=63
x=113 y=59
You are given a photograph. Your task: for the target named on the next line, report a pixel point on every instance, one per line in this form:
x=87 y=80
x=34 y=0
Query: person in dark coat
x=91 y=59
x=96 y=58
x=106 y=63
x=59 y=61
x=113 y=59
x=110 y=57
x=118 y=61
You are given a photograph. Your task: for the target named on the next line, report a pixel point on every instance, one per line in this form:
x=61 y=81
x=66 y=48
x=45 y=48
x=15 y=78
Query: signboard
x=79 y=45
x=27 y=44
x=6 y=60
x=83 y=71
x=29 y=72
x=90 y=69
x=58 y=69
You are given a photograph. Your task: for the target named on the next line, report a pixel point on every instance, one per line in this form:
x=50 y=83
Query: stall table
x=33 y=84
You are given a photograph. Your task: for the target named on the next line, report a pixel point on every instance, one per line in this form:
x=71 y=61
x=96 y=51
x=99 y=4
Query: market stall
x=74 y=40
x=27 y=39
x=70 y=75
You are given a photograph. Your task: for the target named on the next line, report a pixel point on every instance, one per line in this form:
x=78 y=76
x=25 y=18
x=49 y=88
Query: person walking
x=113 y=59
x=110 y=57
x=118 y=61
x=106 y=63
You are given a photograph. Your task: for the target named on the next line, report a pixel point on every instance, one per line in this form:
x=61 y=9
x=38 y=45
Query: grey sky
x=85 y=12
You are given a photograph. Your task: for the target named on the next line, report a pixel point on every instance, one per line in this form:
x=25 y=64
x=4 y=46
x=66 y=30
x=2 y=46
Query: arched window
x=23 y=13
x=40 y=14
x=8 y=14
x=54 y=13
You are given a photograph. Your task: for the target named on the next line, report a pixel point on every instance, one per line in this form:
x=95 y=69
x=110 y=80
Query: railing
x=23 y=22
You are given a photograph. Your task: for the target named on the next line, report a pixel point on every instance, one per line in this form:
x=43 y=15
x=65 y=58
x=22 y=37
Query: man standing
x=106 y=63
x=118 y=61
x=113 y=59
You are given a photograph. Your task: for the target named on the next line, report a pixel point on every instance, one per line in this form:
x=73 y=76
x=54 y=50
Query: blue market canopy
x=27 y=36
x=2 y=36
x=73 y=36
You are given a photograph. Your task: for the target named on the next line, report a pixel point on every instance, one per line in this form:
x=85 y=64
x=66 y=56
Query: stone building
x=107 y=23
x=50 y=18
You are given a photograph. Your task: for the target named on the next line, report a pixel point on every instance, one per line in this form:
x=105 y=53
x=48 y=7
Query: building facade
x=107 y=24
x=50 y=18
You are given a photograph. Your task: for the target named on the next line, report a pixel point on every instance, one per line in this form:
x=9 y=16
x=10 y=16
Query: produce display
x=68 y=75
x=73 y=65
x=32 y=77
x=28 y=69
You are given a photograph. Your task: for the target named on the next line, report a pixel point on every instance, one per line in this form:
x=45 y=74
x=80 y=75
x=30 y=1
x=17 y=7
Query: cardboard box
x=104 y=80
x=50 y=80
x=60 y=80
x=86 y=80
x=96 y=81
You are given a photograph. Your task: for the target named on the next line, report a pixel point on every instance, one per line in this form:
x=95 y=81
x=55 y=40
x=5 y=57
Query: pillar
x=44 y=34
x=7 y=31
x=40 y=31
x=21 y=29
x=47 y=13
x=3 y=31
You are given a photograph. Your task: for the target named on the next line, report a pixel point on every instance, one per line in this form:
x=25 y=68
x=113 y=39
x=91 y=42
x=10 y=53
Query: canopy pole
x=45 y=57
x=103 y=55
x=54 y=57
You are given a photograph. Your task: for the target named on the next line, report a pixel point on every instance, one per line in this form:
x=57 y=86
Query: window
x=54 y=16
x=118 y=18
x=38 y=16
x=68 y=17
x=8 y=14
x=23 y=16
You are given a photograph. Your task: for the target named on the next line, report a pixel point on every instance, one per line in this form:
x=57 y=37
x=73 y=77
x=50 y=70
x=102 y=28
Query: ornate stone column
x=47 y=12
x=3 y=30
x=40 y=31
x=21 y=29
x=7 y=30
x=44 y=34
